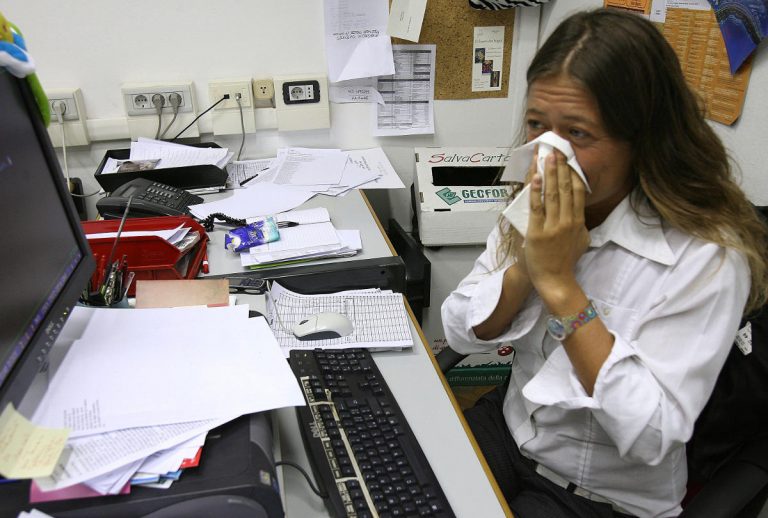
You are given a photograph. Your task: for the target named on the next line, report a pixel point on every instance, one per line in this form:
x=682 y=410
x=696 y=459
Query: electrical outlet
x=301 y=102
x=138 y=97
x=74 y=128
x=218 y=89
x=67 y=96
x=263 y=93
x=301 y=92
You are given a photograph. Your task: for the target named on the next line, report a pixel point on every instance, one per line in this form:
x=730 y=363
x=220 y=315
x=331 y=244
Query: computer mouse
x=322 y=326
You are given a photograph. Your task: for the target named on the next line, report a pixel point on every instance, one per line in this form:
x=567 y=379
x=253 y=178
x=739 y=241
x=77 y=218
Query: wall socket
x=263 y=93
x=137 y=97
x=75 y=128
x=218 y=89
x=301 y=102
x=67 y=96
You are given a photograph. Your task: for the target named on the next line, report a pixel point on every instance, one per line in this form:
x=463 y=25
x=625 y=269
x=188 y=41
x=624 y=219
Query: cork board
x=450 y=25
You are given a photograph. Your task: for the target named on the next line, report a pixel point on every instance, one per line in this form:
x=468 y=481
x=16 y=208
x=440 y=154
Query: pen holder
x=98 y=302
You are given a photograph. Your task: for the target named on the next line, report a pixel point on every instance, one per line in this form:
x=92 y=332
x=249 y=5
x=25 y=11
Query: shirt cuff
x=486 y=297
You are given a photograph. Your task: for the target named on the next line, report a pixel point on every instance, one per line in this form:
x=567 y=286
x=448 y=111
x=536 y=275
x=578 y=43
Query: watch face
x=556 y=329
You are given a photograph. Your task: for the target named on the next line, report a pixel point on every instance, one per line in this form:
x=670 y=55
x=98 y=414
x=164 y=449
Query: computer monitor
x=45 y=261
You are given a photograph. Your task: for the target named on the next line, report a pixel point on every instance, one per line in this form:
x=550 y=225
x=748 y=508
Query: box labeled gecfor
x=459 y=196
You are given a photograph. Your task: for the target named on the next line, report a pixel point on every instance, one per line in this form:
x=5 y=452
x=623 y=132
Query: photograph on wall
x=488 y=52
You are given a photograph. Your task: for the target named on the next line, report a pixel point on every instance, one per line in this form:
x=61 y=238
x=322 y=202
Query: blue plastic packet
x=263 y=230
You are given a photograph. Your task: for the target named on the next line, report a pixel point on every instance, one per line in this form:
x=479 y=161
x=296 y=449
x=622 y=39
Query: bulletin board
x=450 y=25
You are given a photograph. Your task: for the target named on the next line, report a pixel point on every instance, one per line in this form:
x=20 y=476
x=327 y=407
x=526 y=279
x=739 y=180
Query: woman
x=621 y=303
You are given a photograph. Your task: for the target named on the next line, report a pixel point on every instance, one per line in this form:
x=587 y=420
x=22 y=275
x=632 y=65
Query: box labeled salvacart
x=459 y=193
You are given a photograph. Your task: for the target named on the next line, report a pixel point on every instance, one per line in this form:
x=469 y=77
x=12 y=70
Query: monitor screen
x=45 y=261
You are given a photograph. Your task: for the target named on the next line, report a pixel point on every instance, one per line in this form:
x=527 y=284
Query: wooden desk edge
x=378 y=223
x=460 y=414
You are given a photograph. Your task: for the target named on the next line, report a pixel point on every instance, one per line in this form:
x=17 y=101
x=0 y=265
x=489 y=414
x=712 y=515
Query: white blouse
x=673 y=304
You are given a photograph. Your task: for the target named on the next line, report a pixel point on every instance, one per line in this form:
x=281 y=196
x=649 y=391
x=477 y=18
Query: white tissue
x=518 y=212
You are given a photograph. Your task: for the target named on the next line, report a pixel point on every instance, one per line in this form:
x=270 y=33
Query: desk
x=431 y=414
x=420 y=390
x=422 y=395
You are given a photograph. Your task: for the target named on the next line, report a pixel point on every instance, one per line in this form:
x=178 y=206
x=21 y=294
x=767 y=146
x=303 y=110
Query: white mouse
x=321 y=326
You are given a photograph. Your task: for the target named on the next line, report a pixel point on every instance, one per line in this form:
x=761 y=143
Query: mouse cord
x=306 y=476
x=276 y=312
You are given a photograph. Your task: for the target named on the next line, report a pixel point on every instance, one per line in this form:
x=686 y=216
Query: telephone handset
x=149 y=199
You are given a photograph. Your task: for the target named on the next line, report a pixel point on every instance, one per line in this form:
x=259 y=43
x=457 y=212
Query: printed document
x=375 y=161
x=255 y=200
x=356 y=41
x=120 y=372
x=409 y=94
x=309 y=167
x=406 y=18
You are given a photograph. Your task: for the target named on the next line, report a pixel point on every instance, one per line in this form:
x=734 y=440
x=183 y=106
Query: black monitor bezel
x=34 y=359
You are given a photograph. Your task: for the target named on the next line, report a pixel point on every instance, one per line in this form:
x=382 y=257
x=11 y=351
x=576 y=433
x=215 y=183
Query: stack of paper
x=298 y=174
x=312 y=237
x=130 y=415
x=169 y=154
x=378 y=317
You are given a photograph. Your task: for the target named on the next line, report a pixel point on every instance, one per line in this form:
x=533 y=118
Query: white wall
x=97 y=45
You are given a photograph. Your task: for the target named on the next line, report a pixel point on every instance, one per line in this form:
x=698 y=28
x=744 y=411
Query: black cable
x=211 y=107
x=306 y=476
x=208 y=222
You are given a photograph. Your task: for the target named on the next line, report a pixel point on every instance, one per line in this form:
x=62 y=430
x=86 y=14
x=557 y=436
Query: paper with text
x=28 y=451
x=356 y=40
x=409 y=94
x=225 y=365
x=309 y=167
x=255 y=200
x=406 y=18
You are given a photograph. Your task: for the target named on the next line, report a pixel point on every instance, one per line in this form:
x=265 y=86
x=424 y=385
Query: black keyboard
x=362 y=450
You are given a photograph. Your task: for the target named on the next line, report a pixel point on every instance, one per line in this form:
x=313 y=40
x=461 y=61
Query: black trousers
x=528 y=494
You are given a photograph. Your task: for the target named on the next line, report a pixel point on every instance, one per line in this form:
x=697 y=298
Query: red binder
x=150 y=257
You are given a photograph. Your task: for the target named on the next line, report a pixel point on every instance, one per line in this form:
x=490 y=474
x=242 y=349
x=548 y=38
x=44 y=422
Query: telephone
x=149 y=199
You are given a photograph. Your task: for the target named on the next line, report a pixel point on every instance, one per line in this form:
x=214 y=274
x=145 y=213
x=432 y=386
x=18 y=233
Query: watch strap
x=561 y=327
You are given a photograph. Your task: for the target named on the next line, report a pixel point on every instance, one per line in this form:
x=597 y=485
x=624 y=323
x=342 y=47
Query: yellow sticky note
x=26 y=450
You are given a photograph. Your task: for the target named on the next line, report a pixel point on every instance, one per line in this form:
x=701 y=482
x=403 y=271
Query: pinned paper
x=518 y=211
x=406 y=18
x=26 y=450
x=354 y=94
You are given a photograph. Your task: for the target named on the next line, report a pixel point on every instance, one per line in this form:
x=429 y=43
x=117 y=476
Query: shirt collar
x=641 y=234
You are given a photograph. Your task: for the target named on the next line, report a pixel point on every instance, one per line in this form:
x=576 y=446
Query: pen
x=248 y=179
x=286 y=224
x=119 y=231
x=205 y=261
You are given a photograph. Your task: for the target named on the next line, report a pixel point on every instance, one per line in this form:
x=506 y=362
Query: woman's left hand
x=557 y=236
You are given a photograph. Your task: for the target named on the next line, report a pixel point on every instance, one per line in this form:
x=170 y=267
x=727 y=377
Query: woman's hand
x=557 y=236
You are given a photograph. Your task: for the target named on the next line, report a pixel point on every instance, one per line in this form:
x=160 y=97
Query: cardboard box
x=459 y=197
x=482 y=369
x=486 y=369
